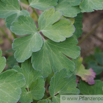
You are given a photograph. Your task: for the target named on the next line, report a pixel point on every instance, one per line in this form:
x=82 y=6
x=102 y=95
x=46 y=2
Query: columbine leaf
x=66 y=7
x=91 y=5
x=61 y=83
x=87 y=75
x=42 y=4
x=54 y=28
x=10 y=86
x=10 y=19
x=34 y=87
x=74 y=2
x=99 y=58
x=96 y=89
x=52 y=56
x=78 y=25
x=24 y=25
x=9 y=7
x=2 y=62
x=24 y=46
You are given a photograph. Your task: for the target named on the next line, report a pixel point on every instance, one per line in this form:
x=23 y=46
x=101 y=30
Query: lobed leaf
x=96 y=89
x=34 y=87
x=52 y=56
x=91 y=5
x=10 y=86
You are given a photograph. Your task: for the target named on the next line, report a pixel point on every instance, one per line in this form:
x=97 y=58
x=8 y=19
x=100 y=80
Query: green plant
x=46 y=56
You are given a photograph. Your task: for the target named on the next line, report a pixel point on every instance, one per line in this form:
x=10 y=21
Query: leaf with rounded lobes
x=10 y=86
x=10 y=19
x=78 y=25
x=9 y=7
x=96 y=89
x=61 y=83
x=56 y=99
x=42 y=4
x=34 y=87
x=2 y=62
x=24 y=25
x=53 y=27
x=74 y=2
x=52 y=56
x=91 y=5
x=66 y=9
x=24 y=46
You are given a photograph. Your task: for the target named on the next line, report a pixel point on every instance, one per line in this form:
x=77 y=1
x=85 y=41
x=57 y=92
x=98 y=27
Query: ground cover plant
x=46 y=61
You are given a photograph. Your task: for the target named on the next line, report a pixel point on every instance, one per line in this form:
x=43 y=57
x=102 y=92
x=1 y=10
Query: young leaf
x=53 y=27
x=96 y=89
x=91 y=5
x=61 y=83
x=74 y=2
x=24 y=46
x=52 y=56
x=66 y=9
x=42 y=4
x=34 y=87
x=78 y=25
x=2 y=62
x=10 y=19
x=9 y=7
x=10 y=86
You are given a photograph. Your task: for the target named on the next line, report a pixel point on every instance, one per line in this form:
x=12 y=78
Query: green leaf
x=34 y=87
x=91 y=5
x=11 y=61
x=2 y=62
x=56 y=99
x=97 y=69
x=10 y=86
x=42 y=4
x=66 y=9
x=74 y=2
x=96 y=89
x=78 y=25
x=99 y=58
x=53 y=27
x=61 y=83
x=24 y=25
x=9 y=7
x=10 y=19
x=42 y=101
x=24 y=46
x=52 y=56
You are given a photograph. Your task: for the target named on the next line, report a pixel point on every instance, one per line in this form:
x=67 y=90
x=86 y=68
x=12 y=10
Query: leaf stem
x=91 y=32
x=6 y=35
x=48 y=98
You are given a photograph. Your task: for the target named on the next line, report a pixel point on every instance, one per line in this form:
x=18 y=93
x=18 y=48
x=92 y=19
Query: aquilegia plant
x=46 y=52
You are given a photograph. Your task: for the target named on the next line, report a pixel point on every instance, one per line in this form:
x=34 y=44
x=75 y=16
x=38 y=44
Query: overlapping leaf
x=2 y=62
x=9 y=7
x=96 y=89
x=42 y=4
x=34 y=87
x=52 y=56
x=74 y=2
x=65 y=7
x=78 y=25
x=86 y=75
x=91 y=5
x=49 y=24
x=62 y=84
x=53 y=27
x=10 y=86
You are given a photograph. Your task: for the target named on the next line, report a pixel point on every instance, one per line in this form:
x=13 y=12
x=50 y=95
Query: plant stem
x=91 y=32
x=6 y=35
x=48 y=98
